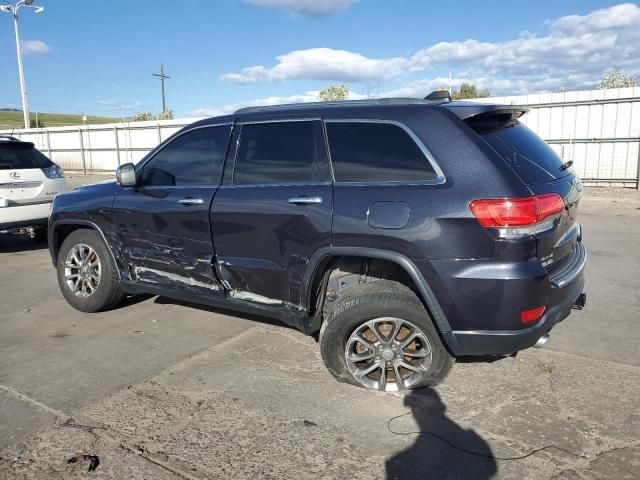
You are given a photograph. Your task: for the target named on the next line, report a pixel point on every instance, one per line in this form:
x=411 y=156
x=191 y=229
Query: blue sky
x=93 y=57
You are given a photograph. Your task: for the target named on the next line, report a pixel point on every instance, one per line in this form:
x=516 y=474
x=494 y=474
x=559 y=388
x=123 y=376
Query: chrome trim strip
x=27 y=184
x=284 y=184
x=574 y=267
x=279 y=120
x=305 y=200
x=191 y=201
x=440 y=178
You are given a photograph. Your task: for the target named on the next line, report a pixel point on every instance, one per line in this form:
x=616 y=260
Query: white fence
x=97 y=148
x=598 y=129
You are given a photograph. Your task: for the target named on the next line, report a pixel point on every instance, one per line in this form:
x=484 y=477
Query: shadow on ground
x=442 y=448
x=13 y=243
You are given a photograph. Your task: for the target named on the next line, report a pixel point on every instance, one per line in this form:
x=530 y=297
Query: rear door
x=274 y=212
x=163 y=224
x=544 y=172
x=22 y=180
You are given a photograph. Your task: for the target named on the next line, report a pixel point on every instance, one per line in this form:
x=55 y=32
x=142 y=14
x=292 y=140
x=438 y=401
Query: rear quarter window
x=530 y=157
x=21 y=156
x=376 y=152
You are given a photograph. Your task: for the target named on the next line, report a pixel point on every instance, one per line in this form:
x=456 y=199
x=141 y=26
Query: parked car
x=29 y=181
x=404 y=232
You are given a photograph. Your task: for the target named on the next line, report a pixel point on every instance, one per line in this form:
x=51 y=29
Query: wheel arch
x=61 y=229
x=316 y=277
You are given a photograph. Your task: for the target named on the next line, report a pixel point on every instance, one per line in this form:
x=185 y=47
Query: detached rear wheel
x=87 y=275
x=379 y=336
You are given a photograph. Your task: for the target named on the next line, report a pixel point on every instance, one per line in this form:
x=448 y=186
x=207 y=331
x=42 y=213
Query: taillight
x=518 y=217
x=54 y=171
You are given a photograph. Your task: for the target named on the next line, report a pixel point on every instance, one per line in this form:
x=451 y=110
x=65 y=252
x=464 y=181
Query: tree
x=166 y=115
x=147 y=116
x=469 y=90
x=141 y=117
x=618 y=80
x=334 y=93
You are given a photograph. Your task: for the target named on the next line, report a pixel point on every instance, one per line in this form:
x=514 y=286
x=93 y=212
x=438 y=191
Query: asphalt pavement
x=161 y=389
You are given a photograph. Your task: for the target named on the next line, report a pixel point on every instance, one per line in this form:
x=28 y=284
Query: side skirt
x=293 y=318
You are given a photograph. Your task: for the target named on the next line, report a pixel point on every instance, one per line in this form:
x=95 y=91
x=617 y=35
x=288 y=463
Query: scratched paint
x=144 y=272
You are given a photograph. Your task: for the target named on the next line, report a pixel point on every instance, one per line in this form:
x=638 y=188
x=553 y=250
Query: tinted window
x=21 y=155
x=532 y=159
x=281 y=152
x=375 y=152
x=195 y=158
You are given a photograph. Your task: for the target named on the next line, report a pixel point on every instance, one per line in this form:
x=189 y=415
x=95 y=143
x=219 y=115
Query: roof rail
x=344 y=103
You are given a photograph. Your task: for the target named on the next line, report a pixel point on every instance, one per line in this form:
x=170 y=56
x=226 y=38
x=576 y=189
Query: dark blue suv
x=404 y=232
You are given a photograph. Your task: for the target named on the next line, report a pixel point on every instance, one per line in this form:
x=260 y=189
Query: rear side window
x=21 y=156
x=376 y=152
x=194 y=158
x=281 y=152
x=531 y=158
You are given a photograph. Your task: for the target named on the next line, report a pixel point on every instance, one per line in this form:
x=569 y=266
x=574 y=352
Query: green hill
x=15 y=120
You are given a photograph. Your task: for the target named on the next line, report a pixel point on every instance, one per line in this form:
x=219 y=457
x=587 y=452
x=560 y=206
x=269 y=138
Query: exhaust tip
x=541 y=341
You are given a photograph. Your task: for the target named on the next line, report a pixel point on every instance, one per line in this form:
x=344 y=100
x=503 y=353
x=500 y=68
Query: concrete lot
x=159 y=389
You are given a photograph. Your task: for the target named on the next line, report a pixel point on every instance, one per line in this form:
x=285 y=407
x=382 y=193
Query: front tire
x=379 y=336
x=87 y=275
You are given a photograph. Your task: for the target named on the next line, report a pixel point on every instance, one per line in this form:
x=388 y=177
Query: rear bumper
x=494 y=342
x=25 y=216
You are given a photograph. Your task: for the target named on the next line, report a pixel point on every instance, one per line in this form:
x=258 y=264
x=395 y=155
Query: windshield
x=532 y=159
x=21 y=155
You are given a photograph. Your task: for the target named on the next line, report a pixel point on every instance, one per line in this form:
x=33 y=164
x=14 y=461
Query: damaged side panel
x=163 y=242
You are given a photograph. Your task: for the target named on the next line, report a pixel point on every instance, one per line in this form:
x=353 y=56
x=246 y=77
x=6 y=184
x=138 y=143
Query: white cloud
x=307 y=7
x=34 y=47
x=573 y=52
x=119 y=105
x=321 y=64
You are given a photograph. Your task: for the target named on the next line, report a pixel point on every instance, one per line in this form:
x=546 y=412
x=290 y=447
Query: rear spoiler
x=477 y=111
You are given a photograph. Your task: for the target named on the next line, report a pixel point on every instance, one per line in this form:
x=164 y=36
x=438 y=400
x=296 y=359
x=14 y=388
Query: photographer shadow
x=442 y=448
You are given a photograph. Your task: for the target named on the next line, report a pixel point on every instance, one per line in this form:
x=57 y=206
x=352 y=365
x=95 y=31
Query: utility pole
x=13 y=10
x=162 y=76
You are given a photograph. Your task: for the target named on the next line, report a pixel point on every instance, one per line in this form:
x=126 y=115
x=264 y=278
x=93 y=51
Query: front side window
x=281 y=152
x=376 y=152
x=194 y=158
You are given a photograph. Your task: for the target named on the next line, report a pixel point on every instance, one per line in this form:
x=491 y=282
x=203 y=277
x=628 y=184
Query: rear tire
x=87 y=275
x=397 y=315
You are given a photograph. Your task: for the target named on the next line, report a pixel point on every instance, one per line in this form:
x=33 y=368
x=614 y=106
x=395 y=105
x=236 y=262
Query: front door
x=274 y=213
x=163 y=224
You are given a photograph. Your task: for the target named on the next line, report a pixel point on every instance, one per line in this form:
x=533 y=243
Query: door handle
x=191 y=201
x=305 y=200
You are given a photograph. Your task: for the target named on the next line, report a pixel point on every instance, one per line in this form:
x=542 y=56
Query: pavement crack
x=32 y=401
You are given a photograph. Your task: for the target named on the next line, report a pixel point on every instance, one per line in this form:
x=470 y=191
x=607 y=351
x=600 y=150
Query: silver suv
x=29 y=181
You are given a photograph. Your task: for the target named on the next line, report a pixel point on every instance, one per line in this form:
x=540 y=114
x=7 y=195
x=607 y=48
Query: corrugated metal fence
x=598 y=129
x=96 y=148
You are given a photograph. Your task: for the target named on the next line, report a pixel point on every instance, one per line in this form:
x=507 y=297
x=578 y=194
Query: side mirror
x=126 y=175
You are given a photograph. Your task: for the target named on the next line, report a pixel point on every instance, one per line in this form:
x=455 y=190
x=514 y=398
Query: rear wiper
x=566 y=165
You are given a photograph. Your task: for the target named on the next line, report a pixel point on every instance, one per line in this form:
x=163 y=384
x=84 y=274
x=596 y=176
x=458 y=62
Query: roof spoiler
x=479 y=111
